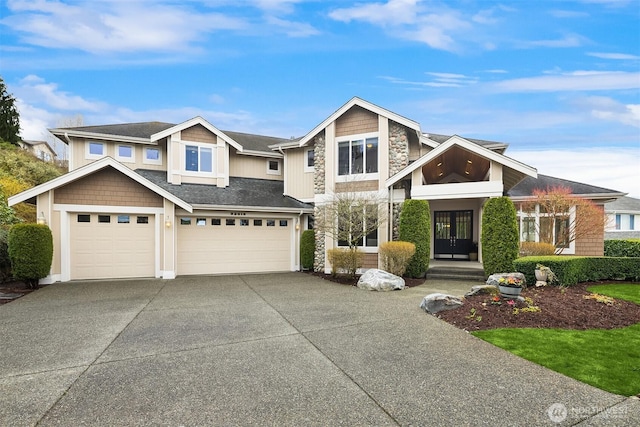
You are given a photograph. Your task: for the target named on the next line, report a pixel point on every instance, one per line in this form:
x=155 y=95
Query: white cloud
x=292 y=28
x=37 y=89
x=573 y=81
x=621 y=56
x=570 y=40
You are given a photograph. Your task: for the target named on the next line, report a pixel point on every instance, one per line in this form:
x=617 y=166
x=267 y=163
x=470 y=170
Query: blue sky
x=557 y=80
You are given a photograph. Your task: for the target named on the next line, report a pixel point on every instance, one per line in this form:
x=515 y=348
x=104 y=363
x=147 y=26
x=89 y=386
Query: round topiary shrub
x=500 y=243
x=415 y=227
x=307 y=249
x=31 y=252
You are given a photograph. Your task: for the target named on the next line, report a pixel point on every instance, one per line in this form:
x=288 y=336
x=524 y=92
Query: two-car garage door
x=209 y=245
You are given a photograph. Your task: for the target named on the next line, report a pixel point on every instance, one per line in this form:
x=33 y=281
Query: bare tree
x=565 y=215
x=60 y=147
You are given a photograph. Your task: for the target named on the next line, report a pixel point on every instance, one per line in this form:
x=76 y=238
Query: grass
x=607 y=359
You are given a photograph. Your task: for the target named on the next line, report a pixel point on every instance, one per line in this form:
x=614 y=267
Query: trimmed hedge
x=415 y=227
x=395 y=256
x=307 y=249
x=571 y=270
x=31 y=252
x=500 y=242
x=622 y=248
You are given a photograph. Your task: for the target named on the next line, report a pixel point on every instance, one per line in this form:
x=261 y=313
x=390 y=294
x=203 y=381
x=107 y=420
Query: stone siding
x=318 y=255
x=319 y=163
x=398 y=148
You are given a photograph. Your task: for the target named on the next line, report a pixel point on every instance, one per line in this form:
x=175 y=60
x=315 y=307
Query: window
x=536 y=225
x=125 y=153
x=201 y=222
x=618 y=221
x=216 y=221
x=142 y=220
x=356 y=225
x=84 y=218
x=185 y=221
x=244 y=222
x=309 y=161
x=310 y=222
x=152 y=156
x=94 y=150
x=230 y=221
x=273 y=167
x=358 y=156
x=257 y=223
x=104 y=218
x=123 y=219
x=199 y=159
x=632 y=219
x=271 y=223
x=284 y=223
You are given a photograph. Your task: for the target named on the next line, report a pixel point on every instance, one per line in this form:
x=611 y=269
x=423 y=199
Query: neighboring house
x=41 y=149
x=159 y=200
x=623 y=217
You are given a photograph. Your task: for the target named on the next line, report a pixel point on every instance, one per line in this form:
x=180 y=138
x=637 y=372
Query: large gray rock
x=436 y=302
x=494 y=278
x=379 y=280
x=481 y=289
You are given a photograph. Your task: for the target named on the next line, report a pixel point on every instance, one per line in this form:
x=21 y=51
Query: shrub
x=30 y=251
x=345 y=260
x=570 y=270
x=536 y=249
x=307 y=249
x=415 y=227
x=622 y=248
x=5 y=261
x=396 y=256
x=500 y=243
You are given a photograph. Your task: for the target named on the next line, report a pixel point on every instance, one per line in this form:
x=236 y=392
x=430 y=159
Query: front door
x=453 y=234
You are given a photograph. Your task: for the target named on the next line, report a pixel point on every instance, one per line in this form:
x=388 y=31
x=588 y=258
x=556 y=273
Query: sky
x=558 y=80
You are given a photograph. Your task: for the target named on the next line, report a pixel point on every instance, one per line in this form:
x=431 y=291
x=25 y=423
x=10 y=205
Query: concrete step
x=453 y=272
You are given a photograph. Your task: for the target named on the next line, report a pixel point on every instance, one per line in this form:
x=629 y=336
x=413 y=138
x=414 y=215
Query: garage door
x=233 y=245
x=112 y=246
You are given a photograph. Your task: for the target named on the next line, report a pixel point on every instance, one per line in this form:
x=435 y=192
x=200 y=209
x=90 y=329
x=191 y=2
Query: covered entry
x=453 y=234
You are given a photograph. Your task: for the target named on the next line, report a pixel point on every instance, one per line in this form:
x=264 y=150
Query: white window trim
x=148 y=161
x=122 y=159
x=89 y=156
x=183 y=159
x=360 y=176
x=571 y=250
x=274 y=172
x=308 y=168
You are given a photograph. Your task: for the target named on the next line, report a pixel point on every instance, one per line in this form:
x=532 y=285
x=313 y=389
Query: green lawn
x=607 y=359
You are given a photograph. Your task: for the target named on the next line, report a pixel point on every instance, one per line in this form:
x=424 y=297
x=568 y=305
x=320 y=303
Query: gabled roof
x=526 y=187
x=125 y=132
x=33 y=143
x=257 y=143
x=88 y=170
x=366 y=105
x=241 y=193
x=455 y=140
x=192 y=122
x=492 y=145
x=623 y=204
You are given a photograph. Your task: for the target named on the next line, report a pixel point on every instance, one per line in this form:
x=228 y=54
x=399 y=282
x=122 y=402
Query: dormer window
x=358 y=156
x=198 y=159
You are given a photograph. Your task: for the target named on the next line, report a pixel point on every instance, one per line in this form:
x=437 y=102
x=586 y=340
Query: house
x=40 y=149
x=623 y=218
x=160 y=200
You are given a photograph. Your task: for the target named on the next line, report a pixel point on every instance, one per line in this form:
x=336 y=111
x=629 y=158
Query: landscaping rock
x=434 y=303
x=494 y=278
x=481 y=289
x=379 y=280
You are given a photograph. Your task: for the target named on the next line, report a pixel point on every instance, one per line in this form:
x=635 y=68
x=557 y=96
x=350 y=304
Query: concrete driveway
x=277 y=349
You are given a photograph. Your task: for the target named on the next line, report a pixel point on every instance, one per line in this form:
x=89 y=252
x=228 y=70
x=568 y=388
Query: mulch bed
x=13 y=290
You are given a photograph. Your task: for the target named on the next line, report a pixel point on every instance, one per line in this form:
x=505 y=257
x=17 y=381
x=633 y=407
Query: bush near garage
x=415 y=227
x=31 y=252
x=622 y=248
x=345 y=260
x=395 y=256
x=307 y=249
x=500 y=240
x=571 y=270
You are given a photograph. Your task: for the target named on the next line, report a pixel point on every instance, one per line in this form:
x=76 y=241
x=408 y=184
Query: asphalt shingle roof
x=624 y=204
x=240 y=192
x=136 y=130
x=442 y=138
x=526 y=187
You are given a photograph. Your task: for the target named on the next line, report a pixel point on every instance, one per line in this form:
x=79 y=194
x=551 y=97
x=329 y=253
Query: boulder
x=481 y=289
x=379 y=280
x=434 y=303
x=494 y=278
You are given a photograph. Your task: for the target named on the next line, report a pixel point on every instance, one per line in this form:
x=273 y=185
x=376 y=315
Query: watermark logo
x=557 y=412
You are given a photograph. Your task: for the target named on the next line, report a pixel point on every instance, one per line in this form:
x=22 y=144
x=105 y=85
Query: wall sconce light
x=167 y=223
x=41 y=219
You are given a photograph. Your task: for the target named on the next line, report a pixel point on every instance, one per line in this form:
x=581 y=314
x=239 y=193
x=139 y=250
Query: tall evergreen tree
x=9 y=116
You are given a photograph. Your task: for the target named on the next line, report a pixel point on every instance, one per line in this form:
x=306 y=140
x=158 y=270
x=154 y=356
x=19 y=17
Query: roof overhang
x=88 y=170
x=192 y=122
x=600 y=198
x=355 y=101
x=65 y=134
x=456 y=140
x=264 y=209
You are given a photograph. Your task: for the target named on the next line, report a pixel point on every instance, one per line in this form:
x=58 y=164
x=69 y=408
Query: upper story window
x=95 y=150
x=152 y=156
x=273 y=167
x=358 y=156
x=198 y=159
x=309 y=160
x=125 y=153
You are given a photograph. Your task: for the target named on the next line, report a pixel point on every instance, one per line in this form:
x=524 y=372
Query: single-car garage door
x=233 y=245
x=112 y=246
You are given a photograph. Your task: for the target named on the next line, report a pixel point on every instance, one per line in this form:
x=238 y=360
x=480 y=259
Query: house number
x=238 y=213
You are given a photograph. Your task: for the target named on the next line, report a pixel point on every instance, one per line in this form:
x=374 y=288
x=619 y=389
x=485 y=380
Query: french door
x=453 y=234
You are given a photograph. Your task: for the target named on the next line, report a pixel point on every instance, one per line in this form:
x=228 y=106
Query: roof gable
x=192 y=122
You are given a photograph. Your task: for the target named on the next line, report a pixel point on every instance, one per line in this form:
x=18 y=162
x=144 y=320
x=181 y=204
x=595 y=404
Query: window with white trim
x=357 y=225
x=358 y=156
x=152 y=156
x=94 y=150
x=539 y=226
x=198 y=159
x=125 y=153
x=309 y=160
x=273 y=167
